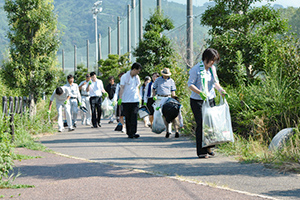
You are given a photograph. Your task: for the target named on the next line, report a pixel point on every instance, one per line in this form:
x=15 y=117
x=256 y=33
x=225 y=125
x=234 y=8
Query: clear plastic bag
x=107 y=108
x=217 y=128
x=158 y=125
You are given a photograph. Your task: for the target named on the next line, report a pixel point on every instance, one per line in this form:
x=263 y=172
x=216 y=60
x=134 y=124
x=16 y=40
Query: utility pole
x=109 y=40
x=99 y=52
x=75 y=59
x=119 y=37
x=141 y=20
x=134 y=22
x=63 y=60
x=159 y=6
x=128 y=32
x=87 y=54
x=189 y=33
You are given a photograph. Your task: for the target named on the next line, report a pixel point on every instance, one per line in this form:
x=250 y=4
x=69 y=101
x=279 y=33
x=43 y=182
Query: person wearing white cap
x=164 y=86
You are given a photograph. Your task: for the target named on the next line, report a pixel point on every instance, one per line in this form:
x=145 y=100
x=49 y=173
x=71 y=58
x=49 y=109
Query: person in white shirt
x=96 y=89
x=85 y=99
x=75 y=98
x=62 y=95
x=130 y=98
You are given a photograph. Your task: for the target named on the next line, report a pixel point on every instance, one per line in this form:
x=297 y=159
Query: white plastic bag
x=158 y=125
x=107 y=108
x=217 y=128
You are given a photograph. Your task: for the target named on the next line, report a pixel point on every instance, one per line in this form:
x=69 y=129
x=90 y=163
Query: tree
x=113 y=66
x=155 y=52
x=33 y=45
x=236 y=26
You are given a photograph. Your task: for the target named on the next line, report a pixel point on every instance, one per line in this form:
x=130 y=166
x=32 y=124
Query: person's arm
x=78 y=95
x=82 y=84
x=50 y=105
x=121 y=91
x=146 y=92
x=173 y=94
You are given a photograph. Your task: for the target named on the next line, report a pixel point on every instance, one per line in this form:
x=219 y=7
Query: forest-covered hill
x=76 y=23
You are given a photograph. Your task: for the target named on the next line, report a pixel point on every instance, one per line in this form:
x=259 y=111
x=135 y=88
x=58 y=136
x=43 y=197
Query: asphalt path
x=154 y=167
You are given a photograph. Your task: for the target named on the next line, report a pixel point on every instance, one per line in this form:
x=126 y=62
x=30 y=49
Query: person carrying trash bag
x=62 y=95
x=202 y=81
x=171 y=112
x=119 y=109
x=164 y=86
x=148 y=97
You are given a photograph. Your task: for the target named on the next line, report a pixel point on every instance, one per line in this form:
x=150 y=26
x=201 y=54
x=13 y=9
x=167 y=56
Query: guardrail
x=15 y=106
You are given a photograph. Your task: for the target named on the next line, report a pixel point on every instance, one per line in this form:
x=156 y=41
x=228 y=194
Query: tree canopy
x=155 y=51
x=236 y=26
x=34 y=41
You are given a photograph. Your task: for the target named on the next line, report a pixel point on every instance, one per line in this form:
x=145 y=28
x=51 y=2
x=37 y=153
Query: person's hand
x=154 y=98
x=157 y=108
x=119 y=102
x=223 y=93
x=203 y=96
x=105 y=94
x=49 y=112
x=145 y=104
x=90 y=82
x=113 y=103
x=84 y=83
x=80 y=104
x=66 y=101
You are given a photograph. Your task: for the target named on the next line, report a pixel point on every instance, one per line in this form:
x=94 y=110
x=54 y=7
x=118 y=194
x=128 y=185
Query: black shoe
x=168 y=135
x=74 y=125
x=71 y=129
x=203 y=156
x=99 y=124
x=177 y=135
x=94 y=127
x=135 y=136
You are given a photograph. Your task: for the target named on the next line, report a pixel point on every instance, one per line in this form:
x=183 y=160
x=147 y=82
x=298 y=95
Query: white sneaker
x=88 y=124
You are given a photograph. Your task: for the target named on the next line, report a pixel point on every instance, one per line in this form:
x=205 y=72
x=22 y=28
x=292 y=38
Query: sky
x=284 y=3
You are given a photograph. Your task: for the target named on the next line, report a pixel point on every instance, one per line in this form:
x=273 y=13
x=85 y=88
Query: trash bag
x=281 y=138
x=107 y=108
x=143 y=112
x=217 y=128
x=170 y=109
x=158 y=125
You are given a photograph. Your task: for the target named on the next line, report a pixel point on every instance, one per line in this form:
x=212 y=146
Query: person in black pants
x=130 y=98
x=96 y=90
x=202 y=82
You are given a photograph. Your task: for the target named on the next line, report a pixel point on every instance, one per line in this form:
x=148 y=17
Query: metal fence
x=108 y=43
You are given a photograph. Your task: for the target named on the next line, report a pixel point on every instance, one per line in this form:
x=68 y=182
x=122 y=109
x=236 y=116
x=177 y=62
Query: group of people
x=155 y=93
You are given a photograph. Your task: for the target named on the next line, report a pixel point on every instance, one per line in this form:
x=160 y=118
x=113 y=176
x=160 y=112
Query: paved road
x=173 y=157
x=174 y=160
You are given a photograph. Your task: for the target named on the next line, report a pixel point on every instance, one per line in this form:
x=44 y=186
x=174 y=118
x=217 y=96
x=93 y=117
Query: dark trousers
x=196 y=106
x=130 y=112
x=95 y=103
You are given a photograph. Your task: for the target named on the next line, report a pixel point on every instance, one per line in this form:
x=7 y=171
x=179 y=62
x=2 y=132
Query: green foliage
x=155 y=52
x=113 y=66
x=236 y=26
x=80 y=73
x=33 y=44
x=6 y=150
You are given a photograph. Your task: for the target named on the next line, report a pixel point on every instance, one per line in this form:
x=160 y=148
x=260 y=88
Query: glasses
x=88 y=76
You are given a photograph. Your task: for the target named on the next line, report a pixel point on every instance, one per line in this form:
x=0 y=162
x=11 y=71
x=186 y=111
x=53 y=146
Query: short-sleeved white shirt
x=131 y=88
x=96 y=88
x=83 y=88
x=60 y=98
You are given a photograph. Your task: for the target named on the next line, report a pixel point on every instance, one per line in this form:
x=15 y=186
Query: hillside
x=76 y=23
